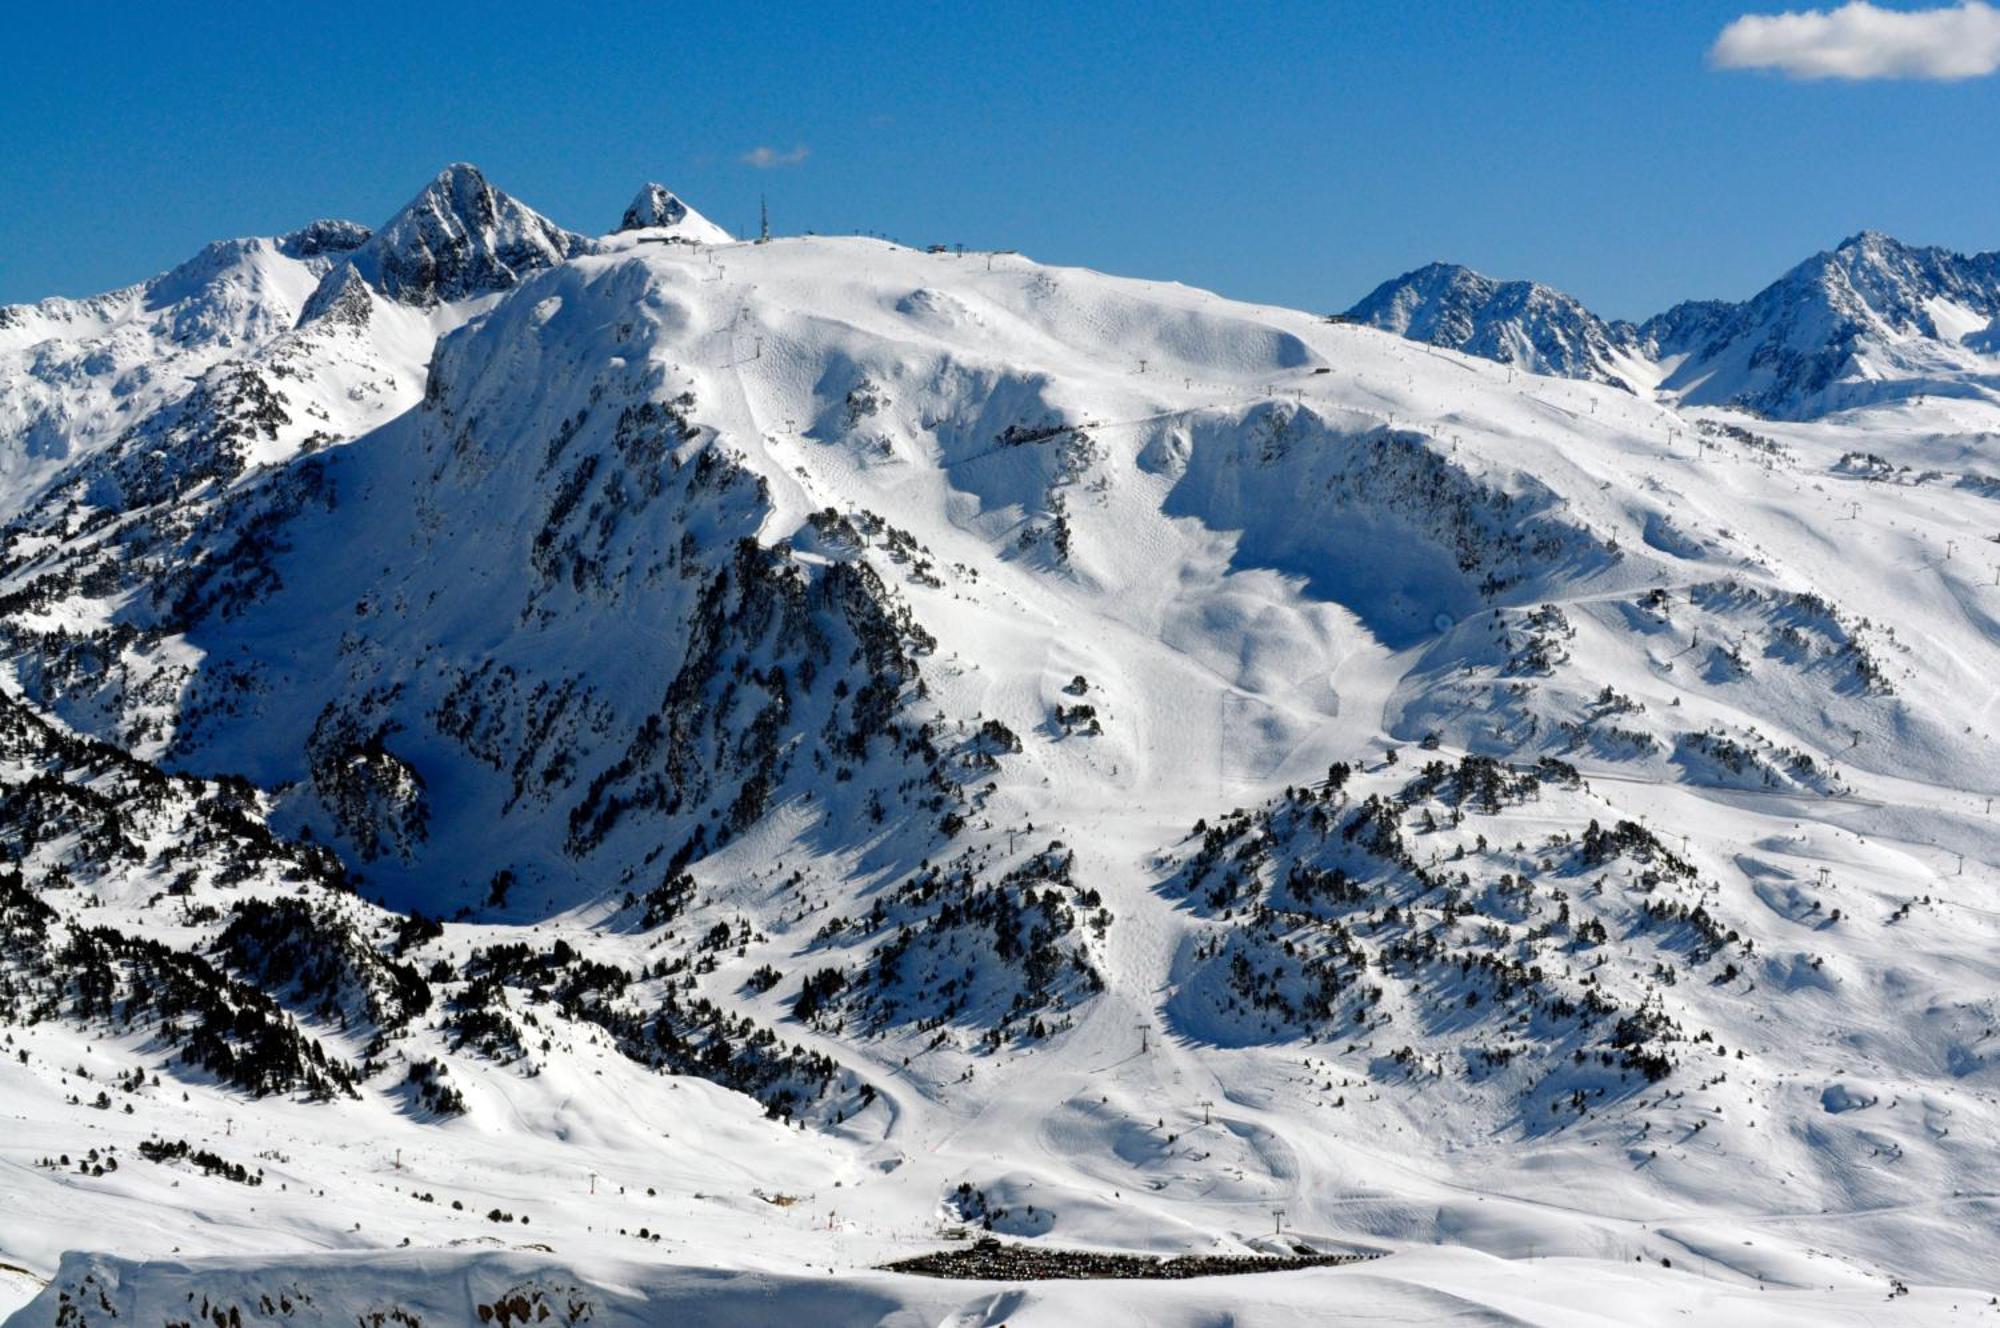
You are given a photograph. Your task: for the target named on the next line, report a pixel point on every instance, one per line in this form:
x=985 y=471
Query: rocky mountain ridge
x=1870 y=322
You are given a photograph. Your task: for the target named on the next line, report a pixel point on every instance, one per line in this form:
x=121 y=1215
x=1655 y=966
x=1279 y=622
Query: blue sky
x=1296 y=154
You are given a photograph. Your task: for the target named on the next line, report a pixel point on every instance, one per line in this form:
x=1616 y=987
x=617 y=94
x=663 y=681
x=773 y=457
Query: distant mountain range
x=1872 y=321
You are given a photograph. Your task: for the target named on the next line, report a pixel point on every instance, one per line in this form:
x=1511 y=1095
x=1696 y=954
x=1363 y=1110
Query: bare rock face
x=324 y=237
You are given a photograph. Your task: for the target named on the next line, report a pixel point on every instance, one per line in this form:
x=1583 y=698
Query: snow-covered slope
x=1872 y=322
x=782 y=752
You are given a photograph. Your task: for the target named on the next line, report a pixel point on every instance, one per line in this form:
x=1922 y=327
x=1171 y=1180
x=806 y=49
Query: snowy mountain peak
x=1898 y=282
x=1524 y=323
x=1871 y=320
x=1871 y=240
x=658 y=208
x=459 y=238
x=655 y=205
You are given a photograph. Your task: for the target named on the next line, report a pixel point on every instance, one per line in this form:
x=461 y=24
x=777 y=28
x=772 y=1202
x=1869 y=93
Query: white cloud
x=768 y=158
x=1858 y=41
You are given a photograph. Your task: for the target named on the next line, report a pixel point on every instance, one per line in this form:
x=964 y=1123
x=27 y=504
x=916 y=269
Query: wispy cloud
x=1860 y=41
x=769 y=158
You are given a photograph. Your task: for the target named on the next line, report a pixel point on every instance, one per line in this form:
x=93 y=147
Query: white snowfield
x=1667 y=995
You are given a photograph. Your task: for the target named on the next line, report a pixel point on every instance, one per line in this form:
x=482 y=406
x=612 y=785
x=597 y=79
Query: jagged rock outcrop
x=459 y=238
x=657 y=208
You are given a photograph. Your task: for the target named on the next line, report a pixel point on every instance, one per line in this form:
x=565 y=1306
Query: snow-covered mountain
x=458 y=239
x=658 y=209
x=1872 y=322
x=74 y=374
x=791 y=752
x=1522 y=323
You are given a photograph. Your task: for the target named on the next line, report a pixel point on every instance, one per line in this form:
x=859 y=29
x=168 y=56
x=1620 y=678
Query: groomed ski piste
x=1318 y=792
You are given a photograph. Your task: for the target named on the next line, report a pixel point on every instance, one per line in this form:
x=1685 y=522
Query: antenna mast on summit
x=764 y=220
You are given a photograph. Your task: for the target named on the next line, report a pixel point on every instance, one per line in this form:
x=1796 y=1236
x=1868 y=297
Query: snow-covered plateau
x=643 y=778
